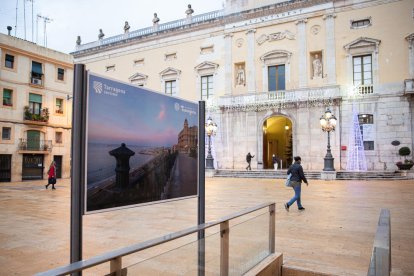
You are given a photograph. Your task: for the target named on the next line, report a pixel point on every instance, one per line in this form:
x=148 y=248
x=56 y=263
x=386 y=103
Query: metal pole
x=77 y=163
x=201 y=185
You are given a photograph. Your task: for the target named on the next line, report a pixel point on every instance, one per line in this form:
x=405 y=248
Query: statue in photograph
x=317 y=67
x=78 y=40
x=240 y=77
x=126 y=27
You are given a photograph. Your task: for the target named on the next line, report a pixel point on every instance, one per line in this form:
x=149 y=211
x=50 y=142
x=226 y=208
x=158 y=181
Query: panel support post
x=201 y=185
x=77 y=163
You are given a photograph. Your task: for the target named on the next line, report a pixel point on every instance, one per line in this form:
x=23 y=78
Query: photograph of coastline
x=141 y=146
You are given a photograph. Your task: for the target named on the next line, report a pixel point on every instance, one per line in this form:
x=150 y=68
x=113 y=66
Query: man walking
x=249 y=159
x=296 y=181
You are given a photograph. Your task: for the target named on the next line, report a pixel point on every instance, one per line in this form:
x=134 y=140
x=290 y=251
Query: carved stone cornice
x=301 y=21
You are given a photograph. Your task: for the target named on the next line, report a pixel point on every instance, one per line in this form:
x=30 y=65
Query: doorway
x=58 y=160
x=5 y=167
x=32 y=166
x=277 y=140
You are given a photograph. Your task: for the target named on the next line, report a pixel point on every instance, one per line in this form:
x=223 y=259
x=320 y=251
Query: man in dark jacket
x=296 y=181
x=248 y=160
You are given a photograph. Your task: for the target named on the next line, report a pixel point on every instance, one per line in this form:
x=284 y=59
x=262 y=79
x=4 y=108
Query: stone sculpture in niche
x=317 y=67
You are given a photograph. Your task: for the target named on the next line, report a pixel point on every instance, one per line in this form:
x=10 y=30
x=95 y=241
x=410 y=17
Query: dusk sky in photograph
x=137 y=117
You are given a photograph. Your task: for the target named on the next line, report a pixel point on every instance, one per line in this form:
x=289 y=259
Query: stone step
x=341 y=175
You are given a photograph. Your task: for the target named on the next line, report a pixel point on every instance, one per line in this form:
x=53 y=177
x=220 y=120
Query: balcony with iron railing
x=281 y=98
x=35 y=145
x=42 y=117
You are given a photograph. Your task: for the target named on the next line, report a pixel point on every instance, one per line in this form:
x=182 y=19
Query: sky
x=71 y=18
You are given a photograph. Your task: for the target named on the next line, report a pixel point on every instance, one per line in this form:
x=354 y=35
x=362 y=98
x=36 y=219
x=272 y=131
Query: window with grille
x=7 y=97
x=362 y=70
x=61 y=74
x=6 y=133
x=360 y=23
x=366 y=123
x=9 y=61
x=170 y=87
x=276 y=77
x=59 y=106
x=206 y=87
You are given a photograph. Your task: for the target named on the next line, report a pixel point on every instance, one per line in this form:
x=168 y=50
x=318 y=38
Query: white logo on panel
x=97 y=86
x=177 y=106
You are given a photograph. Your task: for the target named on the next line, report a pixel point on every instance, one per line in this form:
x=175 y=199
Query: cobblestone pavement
x=334 y=234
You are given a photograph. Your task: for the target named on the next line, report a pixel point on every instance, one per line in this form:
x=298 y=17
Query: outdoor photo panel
x=141 y=146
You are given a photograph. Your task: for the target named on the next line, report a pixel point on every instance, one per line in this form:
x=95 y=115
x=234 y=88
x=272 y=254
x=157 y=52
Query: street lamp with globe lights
x=328 y=124
x=211 y=129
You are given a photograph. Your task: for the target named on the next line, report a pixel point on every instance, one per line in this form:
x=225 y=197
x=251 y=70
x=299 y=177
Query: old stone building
x=269 y=69
x=36 y=110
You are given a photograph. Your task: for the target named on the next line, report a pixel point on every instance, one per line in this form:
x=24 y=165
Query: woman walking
x=296 y=181
x=51 y=176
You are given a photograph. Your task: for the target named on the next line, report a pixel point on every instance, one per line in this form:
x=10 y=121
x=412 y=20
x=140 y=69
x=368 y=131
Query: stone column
x=228 y=69
x=250 y=64
x=303 y=65
x=330 y=48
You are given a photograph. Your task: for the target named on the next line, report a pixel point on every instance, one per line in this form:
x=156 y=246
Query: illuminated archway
x=277 y=139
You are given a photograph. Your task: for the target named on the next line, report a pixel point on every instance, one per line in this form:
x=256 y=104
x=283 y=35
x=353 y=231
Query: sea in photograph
x=101 y=165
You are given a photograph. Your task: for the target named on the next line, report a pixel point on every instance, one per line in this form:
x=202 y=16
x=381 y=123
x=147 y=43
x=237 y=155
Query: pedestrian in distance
x=296 y=181
x=248 y=160
x=51 y=180
x=275 y=161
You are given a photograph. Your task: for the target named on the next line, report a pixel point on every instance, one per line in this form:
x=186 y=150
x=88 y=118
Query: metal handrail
x=116 y=254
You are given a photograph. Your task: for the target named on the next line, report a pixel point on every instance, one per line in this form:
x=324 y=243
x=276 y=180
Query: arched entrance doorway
x=277 y=139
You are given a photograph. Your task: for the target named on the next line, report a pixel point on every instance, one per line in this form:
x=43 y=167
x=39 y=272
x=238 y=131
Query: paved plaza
x=333 y=235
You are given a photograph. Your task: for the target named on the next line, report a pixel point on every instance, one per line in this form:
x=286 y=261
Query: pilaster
x=250 y=64
x=228 y=71
x=330 y=47
x=303 y=66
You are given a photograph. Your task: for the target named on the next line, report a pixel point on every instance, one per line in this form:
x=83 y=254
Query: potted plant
x=407 y=164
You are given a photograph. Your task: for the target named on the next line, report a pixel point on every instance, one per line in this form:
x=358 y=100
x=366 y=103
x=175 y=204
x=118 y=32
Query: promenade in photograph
x=334 y=235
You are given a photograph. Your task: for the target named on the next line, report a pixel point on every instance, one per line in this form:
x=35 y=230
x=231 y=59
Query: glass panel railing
x=183 y=260
x=249 y=244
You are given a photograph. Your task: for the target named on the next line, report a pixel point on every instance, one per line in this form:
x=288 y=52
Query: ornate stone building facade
x=36 y=110
x=269 y=69
x=187 y=138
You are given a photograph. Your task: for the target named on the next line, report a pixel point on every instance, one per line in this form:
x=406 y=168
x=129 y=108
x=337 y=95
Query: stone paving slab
x=334 y=235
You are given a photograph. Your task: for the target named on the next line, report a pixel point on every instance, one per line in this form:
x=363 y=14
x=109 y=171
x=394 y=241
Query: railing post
x=116 y=266
x=224 y=248
x=272 y=220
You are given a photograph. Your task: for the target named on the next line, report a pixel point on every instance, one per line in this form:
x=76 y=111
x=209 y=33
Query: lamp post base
x=210 y=163
x=328 y=164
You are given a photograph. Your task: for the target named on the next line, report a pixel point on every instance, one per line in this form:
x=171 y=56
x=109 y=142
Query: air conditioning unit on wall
x=36 y=81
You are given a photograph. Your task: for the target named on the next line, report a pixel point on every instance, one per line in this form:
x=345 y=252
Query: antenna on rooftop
x=45 y=21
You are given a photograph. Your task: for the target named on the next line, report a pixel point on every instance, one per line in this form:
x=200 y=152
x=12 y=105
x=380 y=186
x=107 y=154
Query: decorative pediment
x=138 y=76
x=364 y=44
x=206 y=68
x=276 y=57
x=170 y=73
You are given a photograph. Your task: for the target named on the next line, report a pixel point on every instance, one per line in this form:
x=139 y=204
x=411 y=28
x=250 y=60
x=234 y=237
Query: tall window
x=7 y=97
x=9 y=61
x=37 y=73
x=206 y=87
x=35 y=103
x=61 y=74
x=366 y=124
x=276 y=77
x=362 y=70
x=59 y=106
x=170 y=87
x=58 y=137
x=6 y=133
